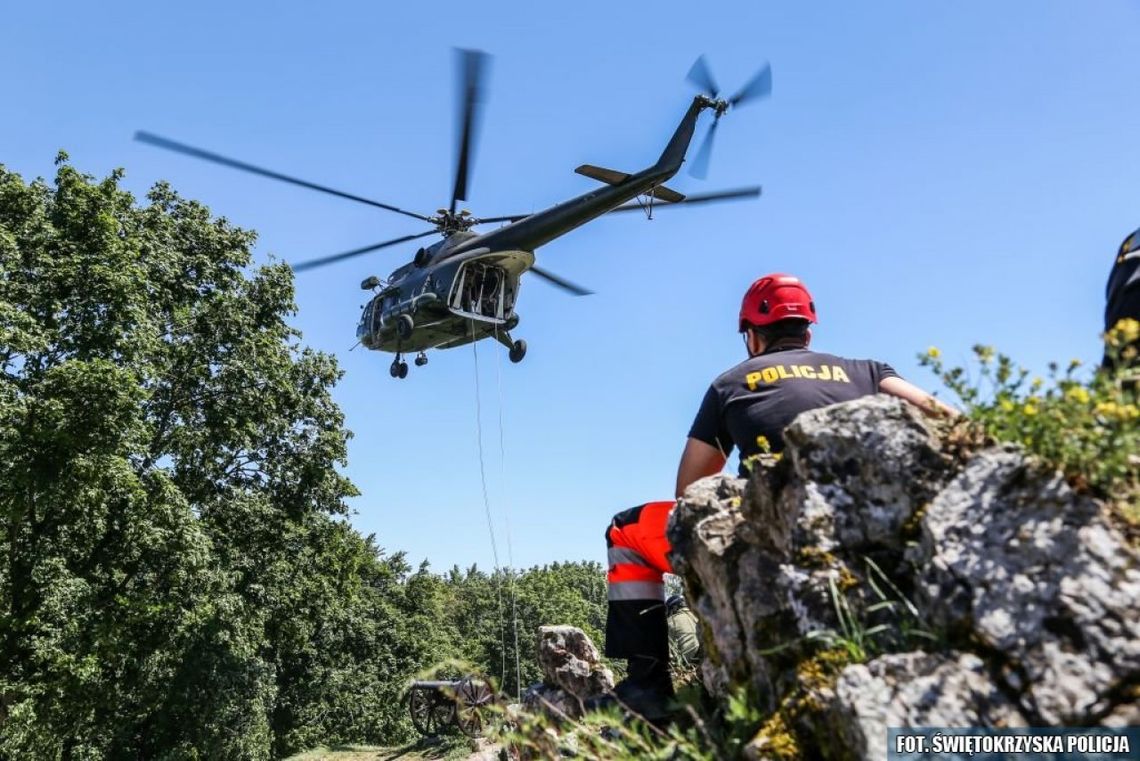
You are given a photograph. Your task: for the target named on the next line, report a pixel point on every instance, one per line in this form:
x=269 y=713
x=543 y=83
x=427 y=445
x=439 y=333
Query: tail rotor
x=759 y=86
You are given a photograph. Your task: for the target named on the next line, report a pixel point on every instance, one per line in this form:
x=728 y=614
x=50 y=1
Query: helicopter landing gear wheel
x=405 y=325
x=399 y=368
x=421 y=359
x=518 y=351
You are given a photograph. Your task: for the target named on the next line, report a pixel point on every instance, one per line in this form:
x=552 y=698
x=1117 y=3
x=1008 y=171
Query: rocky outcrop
x=920 y=587
x=916 y=690
x=572 y=672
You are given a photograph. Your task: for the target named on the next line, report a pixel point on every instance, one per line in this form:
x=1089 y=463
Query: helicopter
x=464 y=288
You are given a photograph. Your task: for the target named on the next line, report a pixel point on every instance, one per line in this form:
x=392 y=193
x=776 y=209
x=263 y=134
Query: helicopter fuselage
x=455 y=298
x=464 y=288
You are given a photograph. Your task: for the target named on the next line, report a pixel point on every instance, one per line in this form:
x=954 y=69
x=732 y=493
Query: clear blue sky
x=938 y=173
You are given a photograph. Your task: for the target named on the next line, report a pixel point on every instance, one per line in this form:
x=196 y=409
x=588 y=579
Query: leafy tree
x=177 y=578
x=482 y=610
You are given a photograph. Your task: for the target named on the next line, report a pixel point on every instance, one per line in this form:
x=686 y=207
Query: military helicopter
x=464 y=288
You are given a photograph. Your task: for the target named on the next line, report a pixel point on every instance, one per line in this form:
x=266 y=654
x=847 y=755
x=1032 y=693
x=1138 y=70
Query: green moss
x=814 y=557
x=785 y=734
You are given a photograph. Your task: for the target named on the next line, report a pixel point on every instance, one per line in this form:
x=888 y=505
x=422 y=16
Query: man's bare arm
x=916 y=396
x=697 y=461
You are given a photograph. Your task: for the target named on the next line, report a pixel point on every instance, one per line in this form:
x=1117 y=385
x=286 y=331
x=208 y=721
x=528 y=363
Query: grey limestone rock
x=1014 y=558
x=1033 y=596
x=916 y=690
x=860 y=470
x=570 y=661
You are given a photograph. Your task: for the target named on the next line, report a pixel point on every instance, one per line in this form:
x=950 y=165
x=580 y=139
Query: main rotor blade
x=700 y=167
x=314 y=263
x=472 y=68
x=700 y=75
x=560 y=282
x=189 y=150
x=758 y=87
x=699 y=198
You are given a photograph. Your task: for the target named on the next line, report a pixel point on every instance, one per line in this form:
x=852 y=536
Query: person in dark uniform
x=745 y=408
x=1122 y=298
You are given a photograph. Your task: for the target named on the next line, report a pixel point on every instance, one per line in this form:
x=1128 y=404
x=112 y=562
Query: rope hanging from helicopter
x=507 y=521
x=491 y=523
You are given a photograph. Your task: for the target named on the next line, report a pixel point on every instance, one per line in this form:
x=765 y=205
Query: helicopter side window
x=481 y=290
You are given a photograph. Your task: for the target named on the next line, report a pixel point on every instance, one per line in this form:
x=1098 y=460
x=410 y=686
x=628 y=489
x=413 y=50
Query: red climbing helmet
x=776 y=297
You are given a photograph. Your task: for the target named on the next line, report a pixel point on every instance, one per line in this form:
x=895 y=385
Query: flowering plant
x=1087 y=424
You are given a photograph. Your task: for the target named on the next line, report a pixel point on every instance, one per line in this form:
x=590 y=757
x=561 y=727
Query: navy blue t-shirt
x=749 y=406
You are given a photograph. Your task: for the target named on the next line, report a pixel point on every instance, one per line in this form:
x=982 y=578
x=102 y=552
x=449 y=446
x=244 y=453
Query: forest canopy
x=178 y=577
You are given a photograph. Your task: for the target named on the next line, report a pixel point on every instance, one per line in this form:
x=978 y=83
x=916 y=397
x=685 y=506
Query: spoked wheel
x=421 y=704
x=431 y=712
x=473 y=698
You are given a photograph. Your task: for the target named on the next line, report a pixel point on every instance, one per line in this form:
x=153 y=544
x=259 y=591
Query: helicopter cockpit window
x=482 y=291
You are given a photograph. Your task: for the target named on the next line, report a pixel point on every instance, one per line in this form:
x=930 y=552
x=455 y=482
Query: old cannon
x=438 y=704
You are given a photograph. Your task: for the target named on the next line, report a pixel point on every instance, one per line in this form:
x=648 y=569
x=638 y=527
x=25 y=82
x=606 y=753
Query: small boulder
x=915 y=690
x=570 y=661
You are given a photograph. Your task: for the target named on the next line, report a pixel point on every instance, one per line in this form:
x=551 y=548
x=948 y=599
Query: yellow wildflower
x=1006 y=405
x=1127 y=329
x=1114 y=411
x=1107 y=409
x=1077 y=394
x=1074 y=364
x=1029 y=410
x=763 y=443
x=1036 y=384
x=934 y=352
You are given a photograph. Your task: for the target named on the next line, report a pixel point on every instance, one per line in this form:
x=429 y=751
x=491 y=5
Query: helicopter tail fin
x=614 y=177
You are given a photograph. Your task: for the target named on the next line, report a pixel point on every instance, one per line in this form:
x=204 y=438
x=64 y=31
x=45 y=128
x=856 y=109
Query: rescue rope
x=507 y=521
x=487 y=500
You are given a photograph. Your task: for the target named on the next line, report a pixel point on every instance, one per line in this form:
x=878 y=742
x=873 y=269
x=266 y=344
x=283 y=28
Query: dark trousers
x=637 y=552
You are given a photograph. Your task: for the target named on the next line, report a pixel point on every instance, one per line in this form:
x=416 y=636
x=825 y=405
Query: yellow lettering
x=825 y=372
x=808 y=371
x=753 y=380
x=796 y=371
x=770 y=375
x=783 y=372
x=838 y=374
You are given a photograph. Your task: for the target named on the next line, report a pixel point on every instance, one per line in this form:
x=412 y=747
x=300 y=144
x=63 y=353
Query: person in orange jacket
x=745 y=408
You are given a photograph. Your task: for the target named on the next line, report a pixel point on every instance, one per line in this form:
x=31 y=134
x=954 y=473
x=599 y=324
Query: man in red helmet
x=746 y=408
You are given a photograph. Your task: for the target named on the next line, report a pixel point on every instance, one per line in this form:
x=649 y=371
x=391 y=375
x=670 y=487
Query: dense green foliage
x=177 y=577
x=476 y=614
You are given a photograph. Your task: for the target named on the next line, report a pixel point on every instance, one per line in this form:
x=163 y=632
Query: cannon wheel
x=472 y=698
x=431 y=712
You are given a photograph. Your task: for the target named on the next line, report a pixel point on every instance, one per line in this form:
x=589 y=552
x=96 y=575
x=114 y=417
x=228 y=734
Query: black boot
x=647 y=691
